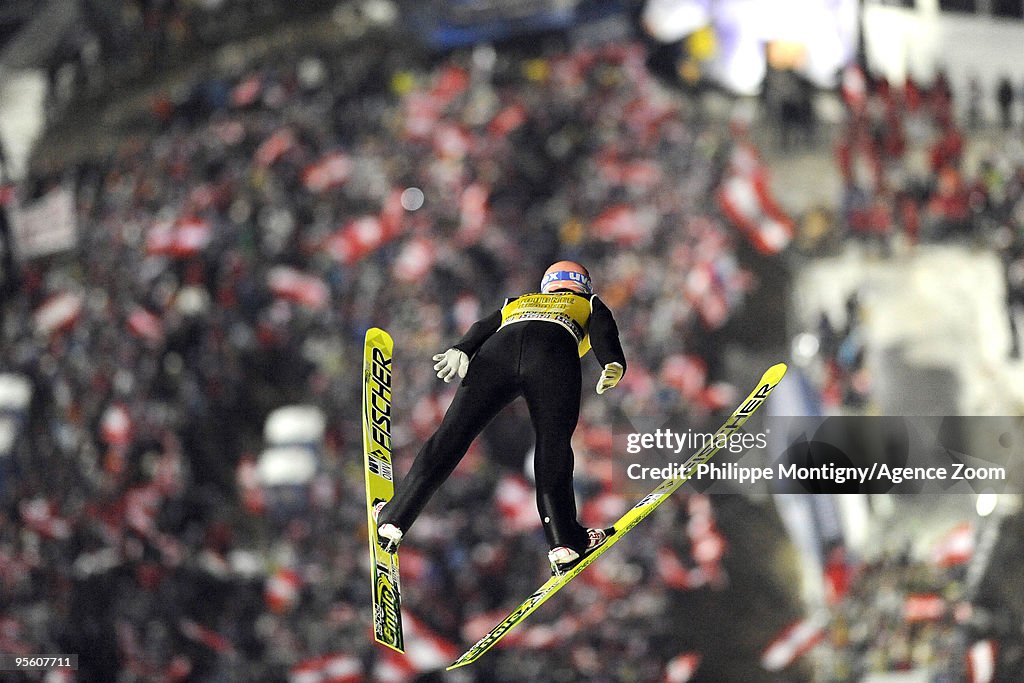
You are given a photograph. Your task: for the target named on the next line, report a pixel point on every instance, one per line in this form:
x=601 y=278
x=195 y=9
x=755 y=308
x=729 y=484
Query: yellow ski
x=380 y=485
x=633 y=516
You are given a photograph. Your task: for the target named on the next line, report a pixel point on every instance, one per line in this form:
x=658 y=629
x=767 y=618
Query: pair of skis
x=378 y=348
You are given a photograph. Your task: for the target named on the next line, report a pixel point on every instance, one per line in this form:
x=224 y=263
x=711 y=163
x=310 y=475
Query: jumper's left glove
x=450 y=363
x=610 y=376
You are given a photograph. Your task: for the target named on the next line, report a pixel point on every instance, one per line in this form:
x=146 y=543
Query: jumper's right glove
x=450 y=363
x=610 y=376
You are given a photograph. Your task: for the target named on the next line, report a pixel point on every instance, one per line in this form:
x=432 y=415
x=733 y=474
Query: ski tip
x=775 y=373
x=377 y=333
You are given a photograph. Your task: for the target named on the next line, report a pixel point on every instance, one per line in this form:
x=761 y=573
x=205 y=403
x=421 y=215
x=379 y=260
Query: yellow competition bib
x=568 y=310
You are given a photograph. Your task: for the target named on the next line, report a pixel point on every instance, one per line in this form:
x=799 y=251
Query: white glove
x=610 y=376
x=450 y=363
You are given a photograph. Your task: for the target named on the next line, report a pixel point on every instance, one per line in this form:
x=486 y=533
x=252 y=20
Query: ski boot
x=563 y=558
x=388 y=535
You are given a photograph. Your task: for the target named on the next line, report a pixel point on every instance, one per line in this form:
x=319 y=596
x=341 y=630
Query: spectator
x=1004 y=98
x=975 y=95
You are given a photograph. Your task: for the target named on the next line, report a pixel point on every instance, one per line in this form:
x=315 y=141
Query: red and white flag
x=275 y=147
x=424 y=649
x=981 y=662
x=180 y=239
x=205 y=636
x=329 y=172
x=923 y=607
x=955 y=547
x=59 y=313
x=191 y=236
x=145 y=325
x=282 y=590
x=414 y=261
x=116 y=425
x=622 y=224
x=747 y=202
x=681 y=668
x=358 y=238
x=793 y=642
x=507 y=120
x=293 y=285
x=333 y=668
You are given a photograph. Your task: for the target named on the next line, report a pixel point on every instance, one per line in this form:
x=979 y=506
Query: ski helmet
x=567 y=275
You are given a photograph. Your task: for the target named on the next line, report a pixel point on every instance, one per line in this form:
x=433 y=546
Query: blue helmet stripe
x=569 y=275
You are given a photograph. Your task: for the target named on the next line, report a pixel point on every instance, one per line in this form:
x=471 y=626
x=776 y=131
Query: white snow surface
x=938 y=308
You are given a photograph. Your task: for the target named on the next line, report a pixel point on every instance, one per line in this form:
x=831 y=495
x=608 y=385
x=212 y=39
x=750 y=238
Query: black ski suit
x=538 y=359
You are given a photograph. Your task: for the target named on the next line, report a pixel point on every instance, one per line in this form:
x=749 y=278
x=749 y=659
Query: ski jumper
x=531 y=347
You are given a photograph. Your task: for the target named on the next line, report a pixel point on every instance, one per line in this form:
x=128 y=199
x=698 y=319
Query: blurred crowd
x=942 y=612
x=845 y=381
x=110 y=43
x=230 y=262
x=899 y=616
x=903 y=158
x=912 y=175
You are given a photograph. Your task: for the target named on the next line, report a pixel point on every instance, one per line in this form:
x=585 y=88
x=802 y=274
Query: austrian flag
x=747 y=202
x=746 y=199
x=792 y=643
x=329 y=172
x=336 y=668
